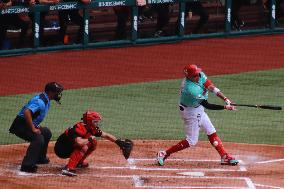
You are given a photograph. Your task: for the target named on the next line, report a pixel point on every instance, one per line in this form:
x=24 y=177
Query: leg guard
x=217 y=143
x=91 y=148
x=74 y=159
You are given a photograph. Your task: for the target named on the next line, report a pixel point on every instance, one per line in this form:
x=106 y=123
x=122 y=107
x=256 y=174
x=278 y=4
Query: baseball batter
x=79 y=141
x=193 y=100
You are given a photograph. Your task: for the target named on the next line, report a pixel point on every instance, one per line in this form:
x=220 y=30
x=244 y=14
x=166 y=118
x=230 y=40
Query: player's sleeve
x=210 y=106
x=36 y=105
x=207 y=83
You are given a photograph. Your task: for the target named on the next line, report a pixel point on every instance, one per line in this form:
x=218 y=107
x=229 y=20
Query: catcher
x=79 y=141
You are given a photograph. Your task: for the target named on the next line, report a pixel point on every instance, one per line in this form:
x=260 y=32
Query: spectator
x=122 y=13
x=42 y=16
x=27 y=126
x=237 y=23
x=75 y=17
x=7 y=20
x=196 y=7
x=163 y=18
x=279 y=11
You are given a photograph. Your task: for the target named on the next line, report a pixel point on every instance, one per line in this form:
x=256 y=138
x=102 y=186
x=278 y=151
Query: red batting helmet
x=191 y=71
x=91 y=118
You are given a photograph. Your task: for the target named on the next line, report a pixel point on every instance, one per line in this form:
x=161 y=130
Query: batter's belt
x=182 y=106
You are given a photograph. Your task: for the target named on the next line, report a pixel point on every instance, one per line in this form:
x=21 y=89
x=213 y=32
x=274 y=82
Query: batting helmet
x=191 y=71
x=92 y=118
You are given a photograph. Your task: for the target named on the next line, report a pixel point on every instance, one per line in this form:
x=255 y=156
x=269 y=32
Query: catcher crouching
x=79 y=141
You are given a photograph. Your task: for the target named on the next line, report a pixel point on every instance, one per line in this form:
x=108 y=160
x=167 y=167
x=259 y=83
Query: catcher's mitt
x=126 y=147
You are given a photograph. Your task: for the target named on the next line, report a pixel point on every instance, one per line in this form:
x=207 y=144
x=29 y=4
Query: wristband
x=216 y=90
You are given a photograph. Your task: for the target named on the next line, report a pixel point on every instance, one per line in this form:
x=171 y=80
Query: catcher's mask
x=191 y=71
x=55 y=88
x=92 y=119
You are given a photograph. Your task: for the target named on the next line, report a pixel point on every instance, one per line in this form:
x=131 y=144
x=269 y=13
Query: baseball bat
x=269 y=107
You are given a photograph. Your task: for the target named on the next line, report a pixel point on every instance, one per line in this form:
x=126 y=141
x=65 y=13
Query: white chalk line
x=167 y=169
x=192 y=187
x=138 y=182
x=249 y=183
x=268 y=186
x=131 y=163
x=193 y=160
x=270 y=161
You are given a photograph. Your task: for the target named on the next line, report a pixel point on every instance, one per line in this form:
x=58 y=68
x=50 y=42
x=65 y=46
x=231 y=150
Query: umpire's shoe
x=29 y=168
x=68 y=172
x=43 y=161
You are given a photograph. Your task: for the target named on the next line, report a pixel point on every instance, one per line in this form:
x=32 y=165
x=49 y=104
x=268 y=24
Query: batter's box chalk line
x=131 y=164
x=139 y=182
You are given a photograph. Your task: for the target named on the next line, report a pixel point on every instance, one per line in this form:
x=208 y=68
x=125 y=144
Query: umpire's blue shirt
x=39 y=106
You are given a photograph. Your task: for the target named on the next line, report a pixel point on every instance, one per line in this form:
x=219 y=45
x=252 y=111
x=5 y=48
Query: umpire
x=27 y=126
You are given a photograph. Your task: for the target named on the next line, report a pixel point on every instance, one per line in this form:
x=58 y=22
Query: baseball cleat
x=161 y=156
x=229 y=160
x=68 y=172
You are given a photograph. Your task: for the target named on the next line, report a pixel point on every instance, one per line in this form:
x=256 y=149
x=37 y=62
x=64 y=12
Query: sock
x=74 y=159
x=178 y=147
x=217 y=143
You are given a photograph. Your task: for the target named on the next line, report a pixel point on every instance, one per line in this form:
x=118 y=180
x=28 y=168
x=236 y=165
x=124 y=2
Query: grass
x=150 y=111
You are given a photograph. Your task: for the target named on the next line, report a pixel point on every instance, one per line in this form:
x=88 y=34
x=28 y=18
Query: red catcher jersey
x=79 y=130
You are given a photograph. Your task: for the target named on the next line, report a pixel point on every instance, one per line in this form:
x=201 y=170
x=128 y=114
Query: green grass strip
x=150 y=111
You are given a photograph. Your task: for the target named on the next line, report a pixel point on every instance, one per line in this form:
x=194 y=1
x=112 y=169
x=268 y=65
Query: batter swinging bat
x=260 y=106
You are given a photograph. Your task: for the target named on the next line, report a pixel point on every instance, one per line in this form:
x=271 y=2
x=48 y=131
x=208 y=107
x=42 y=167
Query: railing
x=134 y=40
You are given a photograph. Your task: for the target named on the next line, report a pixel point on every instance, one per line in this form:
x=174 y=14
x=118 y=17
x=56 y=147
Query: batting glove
x=231 y=108
x=227 y=101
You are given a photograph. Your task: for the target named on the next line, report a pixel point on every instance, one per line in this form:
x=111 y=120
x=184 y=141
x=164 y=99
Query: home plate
x=196 y=174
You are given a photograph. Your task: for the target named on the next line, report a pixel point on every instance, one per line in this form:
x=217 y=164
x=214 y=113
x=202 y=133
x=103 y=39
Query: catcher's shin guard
x=91 y=148
x=75 y=158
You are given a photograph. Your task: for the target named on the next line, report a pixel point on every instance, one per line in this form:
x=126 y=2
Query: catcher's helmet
x=56 y=88
x=92 y=118
x=191 y=71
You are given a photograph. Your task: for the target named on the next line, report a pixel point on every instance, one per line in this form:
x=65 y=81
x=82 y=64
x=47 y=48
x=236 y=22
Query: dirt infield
x=260 y=166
